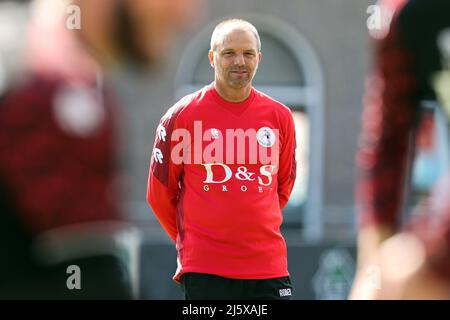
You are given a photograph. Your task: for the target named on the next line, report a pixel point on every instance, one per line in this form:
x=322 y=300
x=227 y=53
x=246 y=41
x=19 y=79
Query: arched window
x=289 y=72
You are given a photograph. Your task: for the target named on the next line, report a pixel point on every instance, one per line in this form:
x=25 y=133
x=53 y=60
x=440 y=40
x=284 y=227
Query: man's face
x=236 y=58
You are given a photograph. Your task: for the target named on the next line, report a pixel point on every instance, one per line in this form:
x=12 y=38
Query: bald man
x=222 y=170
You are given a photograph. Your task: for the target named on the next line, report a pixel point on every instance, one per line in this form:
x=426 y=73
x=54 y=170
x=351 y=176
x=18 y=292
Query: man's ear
x=211 y=58
x=259 y=56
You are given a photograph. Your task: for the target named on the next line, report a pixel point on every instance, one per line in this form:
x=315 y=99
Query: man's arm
x=164 y=176
x=383 y=157
x=384 y=153
x=287 y=163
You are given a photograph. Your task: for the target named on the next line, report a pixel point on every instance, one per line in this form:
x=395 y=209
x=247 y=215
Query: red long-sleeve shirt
x=220 y=200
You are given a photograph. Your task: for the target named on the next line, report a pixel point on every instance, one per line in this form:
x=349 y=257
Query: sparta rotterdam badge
x=266 y=137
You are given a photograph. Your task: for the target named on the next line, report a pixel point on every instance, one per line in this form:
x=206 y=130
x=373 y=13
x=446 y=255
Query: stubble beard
x=239 y=82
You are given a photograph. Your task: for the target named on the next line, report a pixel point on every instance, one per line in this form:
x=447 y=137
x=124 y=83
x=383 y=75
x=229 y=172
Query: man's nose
x=239 y=59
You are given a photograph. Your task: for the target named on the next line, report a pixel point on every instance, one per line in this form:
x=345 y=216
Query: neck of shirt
x=229 y=104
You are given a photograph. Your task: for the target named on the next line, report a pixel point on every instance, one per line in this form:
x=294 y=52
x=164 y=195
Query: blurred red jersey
x=57 y=137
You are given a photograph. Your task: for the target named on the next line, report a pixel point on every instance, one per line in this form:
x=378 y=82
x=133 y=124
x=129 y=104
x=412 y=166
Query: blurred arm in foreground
x=58 y=145
x=409 y=261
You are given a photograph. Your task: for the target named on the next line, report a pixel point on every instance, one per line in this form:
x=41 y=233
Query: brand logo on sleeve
x=161 y=133
x=158 y=155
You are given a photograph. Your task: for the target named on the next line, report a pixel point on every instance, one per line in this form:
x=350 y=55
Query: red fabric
x=54 y=177
x=233 y=233
x=388 y=120
x=390 y=111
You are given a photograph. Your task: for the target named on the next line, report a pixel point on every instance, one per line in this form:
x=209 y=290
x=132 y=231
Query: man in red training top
x=222 y=169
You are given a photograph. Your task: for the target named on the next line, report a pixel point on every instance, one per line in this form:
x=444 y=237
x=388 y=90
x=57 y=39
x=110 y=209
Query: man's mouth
x=239 y=72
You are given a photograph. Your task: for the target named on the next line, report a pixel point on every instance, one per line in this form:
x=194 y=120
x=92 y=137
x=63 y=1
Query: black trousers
x=200 y=286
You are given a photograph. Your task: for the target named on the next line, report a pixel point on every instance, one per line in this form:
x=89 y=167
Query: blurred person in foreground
x=59 y=201
x=412 y=65
x=223 y=167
